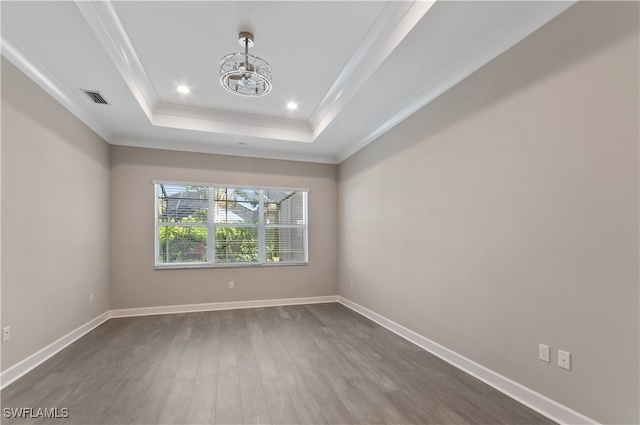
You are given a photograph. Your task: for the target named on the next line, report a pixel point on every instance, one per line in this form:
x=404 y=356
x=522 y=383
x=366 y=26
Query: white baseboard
x=232 y=305
x=536 y=401
x=23 y=367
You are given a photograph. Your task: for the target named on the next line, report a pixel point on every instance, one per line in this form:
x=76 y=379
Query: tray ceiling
x=355 y=69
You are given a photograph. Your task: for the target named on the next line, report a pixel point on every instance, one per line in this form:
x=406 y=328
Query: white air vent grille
x=95 y=96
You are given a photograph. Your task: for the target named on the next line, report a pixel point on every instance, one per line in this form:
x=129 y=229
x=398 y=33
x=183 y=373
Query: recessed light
x=242 y=144
x=183 y=89
x=292 y=105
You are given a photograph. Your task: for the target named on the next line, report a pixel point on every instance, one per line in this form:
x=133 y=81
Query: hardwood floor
x=312 y=364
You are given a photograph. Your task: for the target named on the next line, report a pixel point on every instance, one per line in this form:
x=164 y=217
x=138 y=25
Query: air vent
x=95 y=96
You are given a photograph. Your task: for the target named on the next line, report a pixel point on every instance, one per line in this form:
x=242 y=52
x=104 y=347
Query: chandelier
x=245 y=74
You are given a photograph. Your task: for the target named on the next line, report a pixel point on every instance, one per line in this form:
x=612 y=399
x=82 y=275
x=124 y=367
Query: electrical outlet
x=543 y=352
x=564 y=359
x=6 y=334
x=91 y=297
x=231 y=284
x=352 y=283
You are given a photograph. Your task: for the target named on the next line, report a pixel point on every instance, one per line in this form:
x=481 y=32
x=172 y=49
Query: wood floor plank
x=176 y=407
x=281 y=410
x=189 y=361
x=305 y=364
x=321 y=389
x=372 y=374
x=203 y=401
x=126 y=402
x=254 y=404
x=287 y=371
x=361 y=409
x=260 y=345
x=228 y=408
x=336 y=413
x=308 y=409
x=151 y=405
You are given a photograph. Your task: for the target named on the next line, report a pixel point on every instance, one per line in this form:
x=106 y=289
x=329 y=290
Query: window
x=202 y=225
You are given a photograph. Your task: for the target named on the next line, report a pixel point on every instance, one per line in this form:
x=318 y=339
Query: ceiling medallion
x=245 y=74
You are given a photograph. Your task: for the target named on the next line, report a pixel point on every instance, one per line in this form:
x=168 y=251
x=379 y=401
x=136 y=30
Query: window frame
x=212 y=226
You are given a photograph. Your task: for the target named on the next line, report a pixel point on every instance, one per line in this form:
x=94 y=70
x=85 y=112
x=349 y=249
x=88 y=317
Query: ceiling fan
x=243 y=73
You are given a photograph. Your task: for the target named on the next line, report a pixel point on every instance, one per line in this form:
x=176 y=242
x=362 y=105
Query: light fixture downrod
x=243 y=73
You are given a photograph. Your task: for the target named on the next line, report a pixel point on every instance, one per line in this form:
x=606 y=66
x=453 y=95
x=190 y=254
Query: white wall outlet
x=6 y=334
x=91 y=297
x=543 y=352
x=231 y=284
x=564 y=359
x=352 y=283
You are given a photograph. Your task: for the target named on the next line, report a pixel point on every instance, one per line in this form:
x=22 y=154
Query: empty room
x=320 y=212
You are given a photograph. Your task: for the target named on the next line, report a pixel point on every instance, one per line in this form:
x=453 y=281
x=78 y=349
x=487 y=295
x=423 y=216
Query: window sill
x=223 y=265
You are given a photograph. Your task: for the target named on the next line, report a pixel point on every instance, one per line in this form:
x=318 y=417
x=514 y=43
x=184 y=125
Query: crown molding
x=389 y=29
x=248 y=151
x=526 y=22
x=381 y=40
x=105 y=24
x=103 y=20
x=231 y=122
x=17 y=55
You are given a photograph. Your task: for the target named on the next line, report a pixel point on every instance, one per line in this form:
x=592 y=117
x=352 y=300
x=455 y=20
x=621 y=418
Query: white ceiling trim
x=390 y=28
x=220 y=127
x=17 y=55
x=223 y=150
x=237 y=123
x=383 y=37
x=381 y=40
x=233 y=117
x=529 y=20
x=105 y=24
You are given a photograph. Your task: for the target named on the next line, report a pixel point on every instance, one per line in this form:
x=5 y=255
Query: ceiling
x=355 y=68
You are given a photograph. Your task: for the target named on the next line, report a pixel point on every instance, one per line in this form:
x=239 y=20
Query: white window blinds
x=198 y=225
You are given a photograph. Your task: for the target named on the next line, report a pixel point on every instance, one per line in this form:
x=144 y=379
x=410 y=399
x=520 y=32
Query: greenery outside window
x=213 y=225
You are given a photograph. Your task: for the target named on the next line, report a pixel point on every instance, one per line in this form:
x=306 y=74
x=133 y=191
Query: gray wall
x=502 y=215
x=55 y=225
x=505 y=214
x=135 y=283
